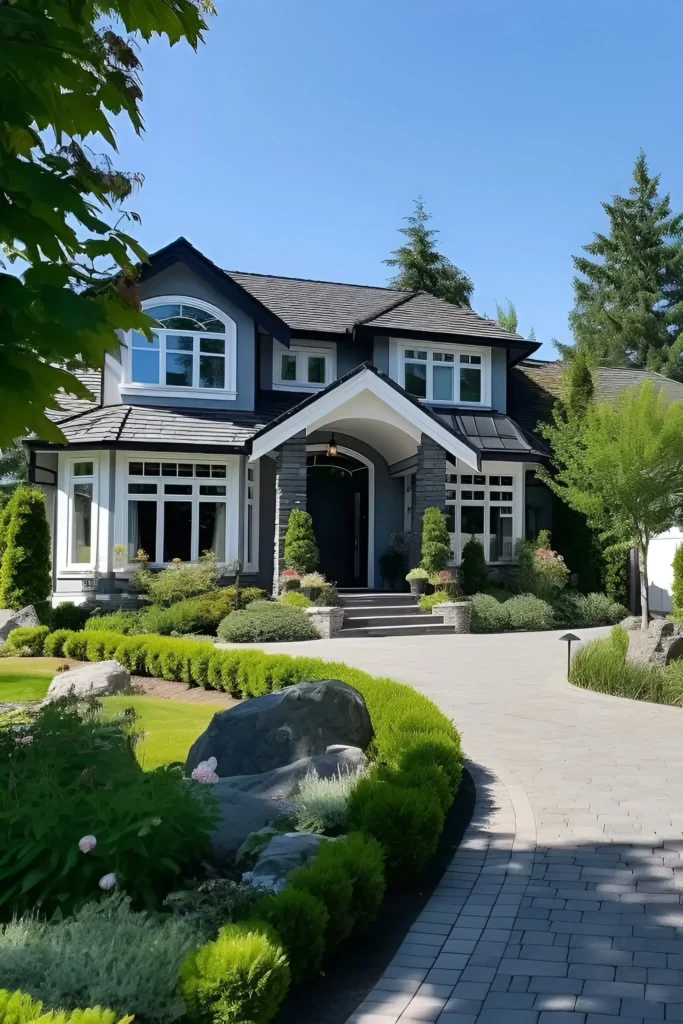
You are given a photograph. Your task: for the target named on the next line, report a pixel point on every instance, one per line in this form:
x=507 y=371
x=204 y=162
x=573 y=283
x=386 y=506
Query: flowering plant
x=206 y=771
x=418 y=573
x=313 y=579
x=289 y=579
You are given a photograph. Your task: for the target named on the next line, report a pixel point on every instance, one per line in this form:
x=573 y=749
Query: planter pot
x=456 y=614
x=417 y=586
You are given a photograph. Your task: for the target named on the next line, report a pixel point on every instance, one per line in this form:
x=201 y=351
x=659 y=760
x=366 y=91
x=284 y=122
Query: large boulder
x=102 y=679
x=661 y=643
x=10 y=619
x=283 y=854
x=282 y=783
x=268 y=732
x=240 y=814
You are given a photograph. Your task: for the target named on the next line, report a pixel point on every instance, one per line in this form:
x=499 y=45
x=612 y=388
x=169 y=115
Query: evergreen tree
x=421 y=267
x=577 y=386
x=475 y=574
x=507 y=318
x=629 y=301
x=25 y=572
x=436 y=542
x=301 y=549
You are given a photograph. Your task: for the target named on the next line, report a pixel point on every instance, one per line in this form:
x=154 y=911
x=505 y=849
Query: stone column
x=290 y=492
x=430 y=489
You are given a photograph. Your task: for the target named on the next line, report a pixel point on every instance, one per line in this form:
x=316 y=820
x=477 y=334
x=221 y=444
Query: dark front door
x=338 y=502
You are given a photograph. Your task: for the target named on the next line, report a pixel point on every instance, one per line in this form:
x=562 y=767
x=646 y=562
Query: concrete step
x=363 y=611
x=368 y=600
x=363 y=621
x=370 y=631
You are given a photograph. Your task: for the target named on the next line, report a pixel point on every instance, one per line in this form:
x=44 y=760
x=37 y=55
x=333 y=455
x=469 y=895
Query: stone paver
x=563 y=903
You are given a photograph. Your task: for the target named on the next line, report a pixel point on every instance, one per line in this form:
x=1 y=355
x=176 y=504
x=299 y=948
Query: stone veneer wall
x=430 y=489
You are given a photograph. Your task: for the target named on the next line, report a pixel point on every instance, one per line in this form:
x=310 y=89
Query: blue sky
x=295 y=140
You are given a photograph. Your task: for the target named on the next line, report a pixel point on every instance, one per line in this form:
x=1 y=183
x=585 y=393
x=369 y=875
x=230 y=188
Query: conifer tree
x=301 y=548
x=629 y=300
x=507 y=318
x=421 y=267
x=25 y=572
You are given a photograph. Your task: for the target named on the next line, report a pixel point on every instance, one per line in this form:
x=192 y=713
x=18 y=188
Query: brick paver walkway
x=563 y=903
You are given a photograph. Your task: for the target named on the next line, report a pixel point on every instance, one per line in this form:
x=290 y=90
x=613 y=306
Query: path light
x=332 y=447
x=569 y=639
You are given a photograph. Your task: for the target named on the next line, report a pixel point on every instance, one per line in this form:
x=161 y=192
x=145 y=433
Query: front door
x=337 y=500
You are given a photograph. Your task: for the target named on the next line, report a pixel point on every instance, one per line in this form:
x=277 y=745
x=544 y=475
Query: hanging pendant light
x=332 y=449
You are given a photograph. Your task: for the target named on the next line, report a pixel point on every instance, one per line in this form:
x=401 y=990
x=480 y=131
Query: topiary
x=475 y=574
x=362 y=858
x=436 y=542
x=25 y=573
x=301 y=548
x=241 y=977
x=329 y=881
x=300 y=921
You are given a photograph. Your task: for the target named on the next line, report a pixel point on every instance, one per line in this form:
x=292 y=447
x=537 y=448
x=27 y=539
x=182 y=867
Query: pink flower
x=204 y=774
x=87 y=843
x=107 y=882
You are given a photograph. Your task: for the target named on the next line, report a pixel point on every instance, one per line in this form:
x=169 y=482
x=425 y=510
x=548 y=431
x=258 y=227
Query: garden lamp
x=569 y=639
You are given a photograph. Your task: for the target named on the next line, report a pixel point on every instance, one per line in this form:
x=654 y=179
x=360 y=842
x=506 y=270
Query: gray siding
x=178 y=280
x=351 y=354
x=380 y=355
x=264 y=360
x=499 y=379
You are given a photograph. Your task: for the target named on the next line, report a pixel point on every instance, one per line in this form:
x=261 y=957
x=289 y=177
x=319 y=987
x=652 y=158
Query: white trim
x=227 y=393
x=67 y=479
x=489 y=468
x=398 y=347
x=323 y=410
x=303 y=349
x=371 y=501
x=255 y=467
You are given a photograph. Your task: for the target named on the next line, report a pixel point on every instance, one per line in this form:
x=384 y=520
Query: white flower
x=210 y=765
x=25 y=741
x=87 y=843
x=107 y=882
x=204 y=774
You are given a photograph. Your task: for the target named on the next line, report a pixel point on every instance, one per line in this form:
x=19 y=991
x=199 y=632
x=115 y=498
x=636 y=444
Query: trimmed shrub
x=266 y=622
x=188 y=579
x=197 y=614
x=321 y=804
x=294 y=599
x=300 y=921
x=427 y=777
x=105 y=954
x=101 y=646
x=328 y=880
x=68 y=615
x=26 y=641
x=328 y=597
x=75 y=646
x=436 y=542
x=392 y=814
x=475 y=574
x=301 y=548
x=241 y=977
x=362 y=858
x=489 y=615
x=428 y=602
x=25 y=572
x=435 y=752
x=526 y=612
x=54 y=643
x=124 y=623
x=574 y=610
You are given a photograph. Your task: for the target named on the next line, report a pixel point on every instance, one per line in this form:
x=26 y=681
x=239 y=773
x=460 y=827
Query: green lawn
x=170 y=726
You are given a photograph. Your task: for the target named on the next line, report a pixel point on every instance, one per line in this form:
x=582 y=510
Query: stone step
x=362 y=611
x=370 y=631
x=362 y=621
x=368 y=600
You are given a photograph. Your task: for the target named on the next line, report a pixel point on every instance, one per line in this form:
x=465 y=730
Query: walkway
x=562 y=905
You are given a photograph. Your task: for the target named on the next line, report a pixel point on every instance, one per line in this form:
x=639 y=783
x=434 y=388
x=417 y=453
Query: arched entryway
x=338 y=499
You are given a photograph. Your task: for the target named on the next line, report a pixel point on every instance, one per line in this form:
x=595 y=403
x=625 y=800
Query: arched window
x=192 y=347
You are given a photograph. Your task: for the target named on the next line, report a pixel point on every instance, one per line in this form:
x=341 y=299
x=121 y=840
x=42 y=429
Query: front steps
x=380 y=613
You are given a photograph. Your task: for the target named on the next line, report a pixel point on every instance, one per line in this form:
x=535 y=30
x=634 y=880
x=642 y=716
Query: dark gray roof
x=69 y=404
x=494 y=434
x=427 y=313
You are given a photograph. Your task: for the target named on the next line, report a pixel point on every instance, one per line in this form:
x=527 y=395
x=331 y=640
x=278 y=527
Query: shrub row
x=192 y=615
x=526 y=612
x=602 y=665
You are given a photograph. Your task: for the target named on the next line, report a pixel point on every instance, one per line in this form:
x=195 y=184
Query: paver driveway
x=563 y=902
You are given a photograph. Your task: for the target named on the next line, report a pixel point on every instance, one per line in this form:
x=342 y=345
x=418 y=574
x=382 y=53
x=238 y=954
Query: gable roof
x=423 y=312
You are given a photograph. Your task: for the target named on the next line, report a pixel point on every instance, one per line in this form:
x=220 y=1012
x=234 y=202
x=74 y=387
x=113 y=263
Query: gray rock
x=658 y=645
x=283 y=854
x=240 y=814
x=268 y=732
x=282 y=783
x=101 y=679
x=631 y=622
x=10 y=619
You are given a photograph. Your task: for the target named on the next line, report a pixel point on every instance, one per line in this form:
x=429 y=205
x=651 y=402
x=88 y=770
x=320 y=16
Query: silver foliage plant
x=321 y=804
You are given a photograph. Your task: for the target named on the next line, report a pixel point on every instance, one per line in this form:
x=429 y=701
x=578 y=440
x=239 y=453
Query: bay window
x=480 y=505
x=439 y=375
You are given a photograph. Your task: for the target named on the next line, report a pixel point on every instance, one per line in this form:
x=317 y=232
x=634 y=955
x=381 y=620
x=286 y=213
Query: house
x=261 y=394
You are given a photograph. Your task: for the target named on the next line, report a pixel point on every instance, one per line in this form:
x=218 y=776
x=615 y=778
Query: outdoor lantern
x=569 y=639
x=332 y=447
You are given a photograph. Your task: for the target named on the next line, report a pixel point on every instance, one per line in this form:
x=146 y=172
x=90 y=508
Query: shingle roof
x=494 y=434
x=424 y=312
x=69 y=404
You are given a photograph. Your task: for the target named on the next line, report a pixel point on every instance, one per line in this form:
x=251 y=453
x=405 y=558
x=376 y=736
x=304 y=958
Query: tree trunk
x=644 y=587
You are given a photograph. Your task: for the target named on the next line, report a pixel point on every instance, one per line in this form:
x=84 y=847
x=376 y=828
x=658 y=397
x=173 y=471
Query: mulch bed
x=150 y=686
x=360 y=962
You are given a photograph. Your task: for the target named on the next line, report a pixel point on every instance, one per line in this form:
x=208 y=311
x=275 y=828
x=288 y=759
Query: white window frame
x=231 y=501
x=397 y=361
x=72 y=480
x=226 y=393
x=302 y=350
x=488 y=469
x=253 y=468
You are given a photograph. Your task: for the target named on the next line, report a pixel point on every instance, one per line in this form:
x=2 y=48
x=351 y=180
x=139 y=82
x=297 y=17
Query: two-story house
x=260 y=394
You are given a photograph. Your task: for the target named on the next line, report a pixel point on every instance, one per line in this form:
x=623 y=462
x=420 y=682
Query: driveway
x=563 y=902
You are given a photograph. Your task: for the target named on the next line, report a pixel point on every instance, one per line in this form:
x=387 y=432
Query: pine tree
x=507 y=318
x=421 y=267
x=25 y=572
x=629 y=302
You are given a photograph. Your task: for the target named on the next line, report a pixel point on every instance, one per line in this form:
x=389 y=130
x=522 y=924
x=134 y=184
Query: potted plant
x=289 y=580
x=311 y=584
x=417 y=578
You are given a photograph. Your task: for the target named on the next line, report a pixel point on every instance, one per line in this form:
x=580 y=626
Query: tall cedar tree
x=422 y=268
x=507 y=318
x=436 y=541
x=25 y=572
x=629 y=301
x=301 y=547
x=66 y=73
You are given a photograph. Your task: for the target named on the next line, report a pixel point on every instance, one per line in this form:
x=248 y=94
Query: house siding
x=499 y=379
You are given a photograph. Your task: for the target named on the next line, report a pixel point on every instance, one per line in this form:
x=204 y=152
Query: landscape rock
x=240 y=814
x=11 y=619
x=658 y=645
x=631 y=622
x=282 y=783
x=102 y=679
x=272 y=731
x=283 y=854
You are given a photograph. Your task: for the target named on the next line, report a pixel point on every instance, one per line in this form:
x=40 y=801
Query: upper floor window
x=438 y=376
x=303 y=367
x=193 y=347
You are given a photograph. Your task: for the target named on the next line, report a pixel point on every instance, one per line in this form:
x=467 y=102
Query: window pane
x=288 y=367
x=470 y=385
x=213 y=345
x=179 y=343
x=495 y=495
x=83 y=468
x=212 y=371
x=145 y=366
x=507 y=496
x=479 y=495
x=316 y=369
x=201 y=469
x=177 y=530
x=466 y=495
x=506 y=481
x=448 y=357
x=500 y=540
x=416 y=380
x=466 y=478
x=142 y=488
x=185 y=469
x=412 y=354
x=178 y=489
x=142 y=528
x=219 y=472
x=443 y=384
x=163 y=312
x=215 y=490
x=135 y=468
x=250 y=534
x=152 y=469
x=212 y=528
x=479 y=479
x=471 y=520
x=178 y=370
x=494 y=481
x=140 y=341
x=81 y=531
x=169 y=468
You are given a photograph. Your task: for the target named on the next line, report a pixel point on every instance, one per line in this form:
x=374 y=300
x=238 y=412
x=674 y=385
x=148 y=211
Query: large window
x=480 y=505
x=303 y=367
x=176 y=510
x=192 y=347
x=82 y=505
x=251 y=530
x=443 y=376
